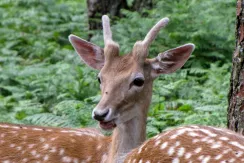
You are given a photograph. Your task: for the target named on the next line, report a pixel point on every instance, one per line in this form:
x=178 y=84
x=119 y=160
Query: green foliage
x=191 y=97
x=43 y=82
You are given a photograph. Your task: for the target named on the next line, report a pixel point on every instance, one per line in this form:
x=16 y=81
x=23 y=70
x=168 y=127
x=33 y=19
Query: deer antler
x=107 y=34
x=151 y=35
x=140 y=49
x=111 y=47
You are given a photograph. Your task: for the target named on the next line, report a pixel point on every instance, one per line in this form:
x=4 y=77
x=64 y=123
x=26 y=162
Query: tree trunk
x=236 y=93
x=138 y=5
x=97 y=8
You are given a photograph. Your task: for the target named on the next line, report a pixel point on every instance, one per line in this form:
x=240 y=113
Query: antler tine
x=111 y=48
x=107 y=34
x=151 y=35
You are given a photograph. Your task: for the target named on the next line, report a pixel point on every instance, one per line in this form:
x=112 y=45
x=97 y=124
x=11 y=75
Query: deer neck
x=130 y=134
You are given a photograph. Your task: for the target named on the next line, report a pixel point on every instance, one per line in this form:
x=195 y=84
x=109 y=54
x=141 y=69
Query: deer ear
x=91 y=54
x=171 y=60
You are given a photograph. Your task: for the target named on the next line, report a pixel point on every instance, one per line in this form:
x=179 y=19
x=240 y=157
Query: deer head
x=126 y=81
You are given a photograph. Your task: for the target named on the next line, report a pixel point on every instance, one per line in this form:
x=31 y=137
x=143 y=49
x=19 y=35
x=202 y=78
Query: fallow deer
x=126 y=85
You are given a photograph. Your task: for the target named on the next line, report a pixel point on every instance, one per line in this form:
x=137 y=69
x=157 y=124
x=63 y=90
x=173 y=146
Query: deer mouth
x=107 y=125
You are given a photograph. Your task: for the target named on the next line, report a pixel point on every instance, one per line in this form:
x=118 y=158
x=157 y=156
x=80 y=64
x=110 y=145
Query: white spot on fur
x=42 y=139
x=12 y=145
x=31 y=145
x=73 y=140
x=99 y=147
x=236 y=144
x=19 y=148
x=180 y=132
x=224 y=138
x=61 y=151
x=176 y=160
x=6 y=161
x=193 y=134
x=205 y=139
x=197 y=150
x=49 y=130
x=53 y=149
x=104 y=158
x=206 y=159
x=157 y=143
x=171 y=151
x=218 y=157
x=66 y=159
x=15 y=127
x=200 y=157
x=45 y=158
x=216 y=145
x=232 y=160
x=52 y=139
x=239 y=153
x=210 y=141
x=33 y=152
x=140 y=161
x=188 y=155
x=75 y=160
x=46 y=146
x=13 y=132
x=37 y=129
x=177 y=143
x=37 y=155
x=4 y=126
x=195 y=140
x=227 y=151
x=209 y=133
x=164 y=145
x=181 y=152
x=88 y=158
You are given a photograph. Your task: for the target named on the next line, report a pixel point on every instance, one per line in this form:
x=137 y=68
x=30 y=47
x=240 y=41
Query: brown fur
x=208 y=148
x=19 y=142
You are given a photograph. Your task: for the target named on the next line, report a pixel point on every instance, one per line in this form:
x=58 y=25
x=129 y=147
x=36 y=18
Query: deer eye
x=99 y=80
x=138 y=82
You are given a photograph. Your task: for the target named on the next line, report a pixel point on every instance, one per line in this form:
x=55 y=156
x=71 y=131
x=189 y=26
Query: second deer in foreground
x=191 y=144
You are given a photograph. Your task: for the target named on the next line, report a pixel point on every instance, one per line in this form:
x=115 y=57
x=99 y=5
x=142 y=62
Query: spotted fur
x=191 y=144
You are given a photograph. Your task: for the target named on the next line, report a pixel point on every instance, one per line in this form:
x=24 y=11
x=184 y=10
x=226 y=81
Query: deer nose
x=100 y=116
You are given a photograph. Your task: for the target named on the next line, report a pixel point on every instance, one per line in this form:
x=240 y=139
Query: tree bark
x=236 y=93
x=138 y=5
x=97 y=8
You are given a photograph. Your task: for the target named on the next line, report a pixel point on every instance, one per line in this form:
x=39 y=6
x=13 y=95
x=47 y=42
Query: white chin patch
x=126 y=116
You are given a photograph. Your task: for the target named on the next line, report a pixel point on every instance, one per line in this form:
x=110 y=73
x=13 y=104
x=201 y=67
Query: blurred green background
x=43 y=81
